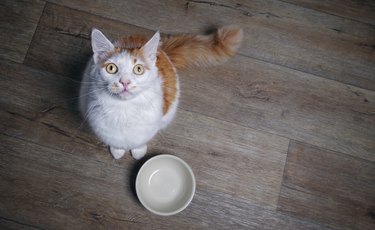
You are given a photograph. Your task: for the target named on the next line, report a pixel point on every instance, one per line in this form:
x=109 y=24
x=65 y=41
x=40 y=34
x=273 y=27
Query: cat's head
x=124 y=72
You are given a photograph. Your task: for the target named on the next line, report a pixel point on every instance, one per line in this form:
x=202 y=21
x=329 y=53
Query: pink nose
x=125 y=82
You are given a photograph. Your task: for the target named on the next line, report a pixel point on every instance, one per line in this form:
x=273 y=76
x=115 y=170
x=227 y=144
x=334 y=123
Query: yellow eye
x=138 y=69
x=111 y=68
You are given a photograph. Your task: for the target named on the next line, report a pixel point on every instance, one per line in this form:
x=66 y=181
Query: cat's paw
x=138 y=153
x=117 y=153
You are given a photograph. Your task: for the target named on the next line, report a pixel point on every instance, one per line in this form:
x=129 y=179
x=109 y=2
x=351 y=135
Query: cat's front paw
x=138 y=153
x=117 y=153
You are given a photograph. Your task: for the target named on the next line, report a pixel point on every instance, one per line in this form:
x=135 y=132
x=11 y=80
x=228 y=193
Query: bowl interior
x=165 y=185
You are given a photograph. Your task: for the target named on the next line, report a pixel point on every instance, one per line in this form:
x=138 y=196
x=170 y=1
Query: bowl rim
x=149 y=161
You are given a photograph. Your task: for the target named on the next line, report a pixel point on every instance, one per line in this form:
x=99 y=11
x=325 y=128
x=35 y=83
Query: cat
x=130 y=88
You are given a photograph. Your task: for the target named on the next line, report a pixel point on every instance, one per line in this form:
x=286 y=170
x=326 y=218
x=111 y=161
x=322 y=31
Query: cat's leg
x=117 y=153
x=138 y=153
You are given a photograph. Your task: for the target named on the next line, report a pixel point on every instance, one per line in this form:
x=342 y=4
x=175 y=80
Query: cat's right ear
x=100 y=45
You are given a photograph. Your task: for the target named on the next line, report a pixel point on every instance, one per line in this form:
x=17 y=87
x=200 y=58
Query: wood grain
x=18 y=23
x=244 y=91
x=362 y=11
x=82 y=192
x=285 y=102
x=281 y=33
x=329 y=187
x=228 y=158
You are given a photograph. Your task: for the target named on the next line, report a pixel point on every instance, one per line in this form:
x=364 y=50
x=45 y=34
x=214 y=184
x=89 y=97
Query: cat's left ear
x=100 y=45
x=150 y=49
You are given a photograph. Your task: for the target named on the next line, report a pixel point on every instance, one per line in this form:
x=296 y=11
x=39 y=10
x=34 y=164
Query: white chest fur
x=126 y=124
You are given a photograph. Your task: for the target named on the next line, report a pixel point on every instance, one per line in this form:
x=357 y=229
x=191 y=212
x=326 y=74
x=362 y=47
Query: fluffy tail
x=202 y=50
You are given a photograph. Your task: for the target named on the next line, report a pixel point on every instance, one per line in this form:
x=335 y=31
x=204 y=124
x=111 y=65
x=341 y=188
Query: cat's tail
x=202 y=50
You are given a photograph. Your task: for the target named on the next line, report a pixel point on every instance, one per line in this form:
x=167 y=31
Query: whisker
x=86 y=115
x=80 y=96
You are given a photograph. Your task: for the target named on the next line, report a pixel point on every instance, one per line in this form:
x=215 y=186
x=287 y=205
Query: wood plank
x=288 y=103
x=220 y=145
x=18 y=23
x=228 y=158
x=328 y=187
x=79 y=192
x=362 y=11
x=76 y=192
x=252 y=93
x=310 y=41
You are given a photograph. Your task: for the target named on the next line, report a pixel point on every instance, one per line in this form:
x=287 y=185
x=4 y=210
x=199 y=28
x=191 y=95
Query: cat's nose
x=125 y=82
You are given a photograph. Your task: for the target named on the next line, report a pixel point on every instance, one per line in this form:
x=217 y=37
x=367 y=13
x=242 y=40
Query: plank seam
x=282 y=179
x=18 y=222
x=301 y=71
x=331 y=14
x=332 y=151
x=96 y=15
x=33 y=37
x=59 y=150
x=234 y=123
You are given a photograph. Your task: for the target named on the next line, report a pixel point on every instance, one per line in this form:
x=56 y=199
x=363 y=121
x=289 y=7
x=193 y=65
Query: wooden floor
x=280 y=137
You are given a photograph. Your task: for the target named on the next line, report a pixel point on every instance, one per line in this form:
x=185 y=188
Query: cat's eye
x=138 y=69
x=111 y=68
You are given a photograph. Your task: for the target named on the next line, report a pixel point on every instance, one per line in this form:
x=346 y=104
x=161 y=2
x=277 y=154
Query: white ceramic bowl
x=165 y=185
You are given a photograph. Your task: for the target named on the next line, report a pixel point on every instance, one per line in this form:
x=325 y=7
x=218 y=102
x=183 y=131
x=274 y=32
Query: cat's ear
x=150 y=49
x=100 y=45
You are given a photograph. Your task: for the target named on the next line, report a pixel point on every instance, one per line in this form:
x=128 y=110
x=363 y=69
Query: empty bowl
x=165 y=185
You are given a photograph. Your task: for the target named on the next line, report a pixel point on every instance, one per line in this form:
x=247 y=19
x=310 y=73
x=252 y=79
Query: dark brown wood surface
x=328 y=187
x=282 y=136
x=18 y=20
x=362 y=11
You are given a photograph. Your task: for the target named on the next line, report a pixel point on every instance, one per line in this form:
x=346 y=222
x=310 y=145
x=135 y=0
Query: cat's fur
x=126 y=110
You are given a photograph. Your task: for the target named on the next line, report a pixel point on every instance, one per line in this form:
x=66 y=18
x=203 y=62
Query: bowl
x=165 y=185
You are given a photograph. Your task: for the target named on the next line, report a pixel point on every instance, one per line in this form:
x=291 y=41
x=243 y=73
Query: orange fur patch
x=169 y=77
x=131 y=44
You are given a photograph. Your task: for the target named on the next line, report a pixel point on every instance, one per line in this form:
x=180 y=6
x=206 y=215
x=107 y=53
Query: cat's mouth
x=122 y=92
x=126 y=94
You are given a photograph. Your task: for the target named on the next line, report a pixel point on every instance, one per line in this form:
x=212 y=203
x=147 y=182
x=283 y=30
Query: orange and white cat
x=130 y=89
